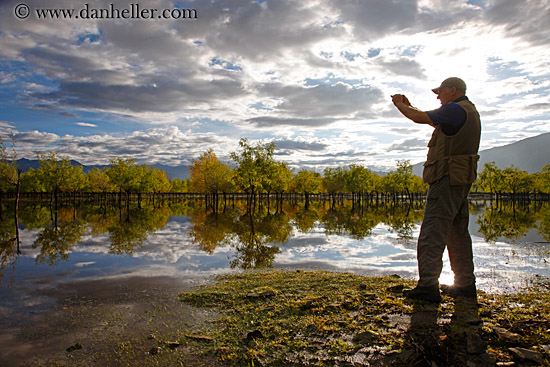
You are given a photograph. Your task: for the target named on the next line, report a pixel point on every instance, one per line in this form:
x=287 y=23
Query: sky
x=313 y=76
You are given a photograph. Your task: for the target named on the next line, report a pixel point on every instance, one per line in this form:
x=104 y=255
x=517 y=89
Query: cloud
x=85 y=124
x=168 y=145
x=36 y=137
x=543 y=106
x=279 y=70
x=267 y=121
x=404 y=66
x=6 y=124
x=321 y=102
x=254 y=31
x=524 y=20
x=300 y=145
x=7 y=77
x=408 y=145
x=372 y=19
x=161 y=96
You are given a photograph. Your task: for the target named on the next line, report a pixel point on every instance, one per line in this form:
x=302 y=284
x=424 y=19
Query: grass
x=301 y=318
x=279 y=317
x=317 y=318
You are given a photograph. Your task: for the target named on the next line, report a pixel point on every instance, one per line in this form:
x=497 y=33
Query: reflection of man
x=450 y=170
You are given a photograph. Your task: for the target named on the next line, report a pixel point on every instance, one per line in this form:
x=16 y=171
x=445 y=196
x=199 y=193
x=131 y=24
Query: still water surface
x=185 y=240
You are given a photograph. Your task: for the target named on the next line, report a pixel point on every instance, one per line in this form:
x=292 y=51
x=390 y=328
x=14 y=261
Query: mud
x=98 y=323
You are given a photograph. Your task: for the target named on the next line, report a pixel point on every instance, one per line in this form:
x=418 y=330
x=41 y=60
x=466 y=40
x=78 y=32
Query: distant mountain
x=529 y=155
x=25 y=164
x=181 y=172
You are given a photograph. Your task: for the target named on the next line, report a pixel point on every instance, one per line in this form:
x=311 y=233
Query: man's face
x=446 y=95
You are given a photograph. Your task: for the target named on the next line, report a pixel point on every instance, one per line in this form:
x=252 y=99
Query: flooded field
x=94 y=253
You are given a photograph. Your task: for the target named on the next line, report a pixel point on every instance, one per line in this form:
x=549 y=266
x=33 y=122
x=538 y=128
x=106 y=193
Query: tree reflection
x=505 y=221
x=35 y=216
x=544 y=224
x=67 y=226
x=359 y=223
x=129 y=233
x=305 y=219
x=57 y=239
x=212 y=229
x=403 y=220
x=8 y=245
x=256 y=234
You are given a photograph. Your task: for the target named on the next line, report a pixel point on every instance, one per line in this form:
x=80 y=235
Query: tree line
x=254 y=171
x=514 y=183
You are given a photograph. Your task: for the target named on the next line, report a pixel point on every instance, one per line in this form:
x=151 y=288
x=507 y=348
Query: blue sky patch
x=89 y=37
x=224 y=64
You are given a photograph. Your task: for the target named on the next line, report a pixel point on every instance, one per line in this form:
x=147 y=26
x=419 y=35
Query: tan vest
x=456 y=155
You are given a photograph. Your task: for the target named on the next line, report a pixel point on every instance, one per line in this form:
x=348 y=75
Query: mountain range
x=529 y=155
x=181 y=172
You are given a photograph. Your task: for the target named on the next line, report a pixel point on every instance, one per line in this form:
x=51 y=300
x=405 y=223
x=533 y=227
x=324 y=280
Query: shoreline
x=88 y=322
x=310 y=318
x=143 y=321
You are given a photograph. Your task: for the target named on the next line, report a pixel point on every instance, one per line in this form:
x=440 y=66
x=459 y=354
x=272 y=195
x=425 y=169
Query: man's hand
x=400 y=99
x=404 y=106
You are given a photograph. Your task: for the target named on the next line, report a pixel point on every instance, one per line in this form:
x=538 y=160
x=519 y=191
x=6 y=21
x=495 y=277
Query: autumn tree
x=404 y=177
x=359 y=180
x=209 y=175
x=30 y=181
x=542 y=180
x=145 y=181
x=377 y=182
x=417 y=185
x=125 y=175
x=10 y=177
x=391 y=183
x=98 y=181
x=254 y=166
x=58 y=175
x=334 y=181
x=154 y=180
x=280 y=180
x=516 y=181
x=160 y=181
x=307 y=182
x=179 y=185
x=490 y=179
x=75 y=180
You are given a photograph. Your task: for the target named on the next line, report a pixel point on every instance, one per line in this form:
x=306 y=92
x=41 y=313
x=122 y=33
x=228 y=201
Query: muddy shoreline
x=171 y=321
x=88 y=322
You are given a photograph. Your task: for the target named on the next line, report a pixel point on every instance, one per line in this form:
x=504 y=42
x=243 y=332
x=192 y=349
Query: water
x=80 y=266
x=186 y=241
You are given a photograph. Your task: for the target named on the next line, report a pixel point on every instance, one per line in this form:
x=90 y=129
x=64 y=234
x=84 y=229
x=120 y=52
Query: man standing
x=450 y=170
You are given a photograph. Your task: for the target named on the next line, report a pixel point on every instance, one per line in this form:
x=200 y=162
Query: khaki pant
x=445 y=223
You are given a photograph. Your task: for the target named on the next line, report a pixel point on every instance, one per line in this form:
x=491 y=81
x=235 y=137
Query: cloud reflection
x=171 y=250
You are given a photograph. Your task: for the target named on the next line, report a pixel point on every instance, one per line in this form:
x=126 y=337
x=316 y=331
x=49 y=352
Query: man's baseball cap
x=451 y=82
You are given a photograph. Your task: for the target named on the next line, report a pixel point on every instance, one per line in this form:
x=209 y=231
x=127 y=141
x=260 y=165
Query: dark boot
x=468 y=291
x=428 y=294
